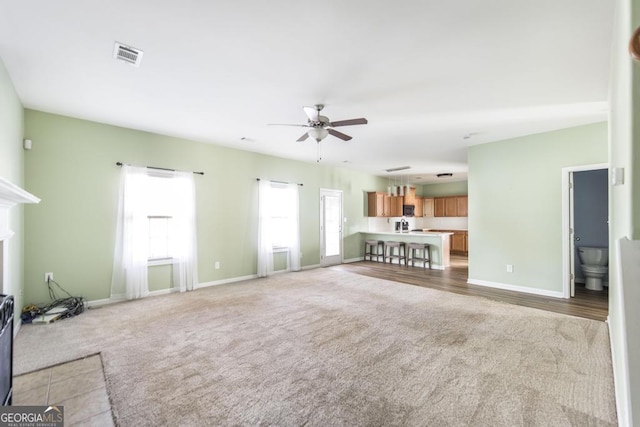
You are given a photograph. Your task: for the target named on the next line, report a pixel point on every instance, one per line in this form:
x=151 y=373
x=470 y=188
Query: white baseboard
x=225 y=281
x=310 y=267
x=17 y=327
x=350 y=260
x=523 y=289
x=105 y=301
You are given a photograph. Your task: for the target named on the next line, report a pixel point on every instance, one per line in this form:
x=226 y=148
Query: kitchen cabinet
x=381 y=205
x=396 y=206
x=459 y=243
x=419 y=207
x=462 y=203
x=428 y=205
x=410 y=196
x=453 y=206
x=376 y=204
x=439 y=206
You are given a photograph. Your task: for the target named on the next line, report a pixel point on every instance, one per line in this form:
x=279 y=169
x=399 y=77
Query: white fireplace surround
x=10 y=195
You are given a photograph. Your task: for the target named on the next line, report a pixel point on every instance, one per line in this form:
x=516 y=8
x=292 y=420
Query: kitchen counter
x=439 y=241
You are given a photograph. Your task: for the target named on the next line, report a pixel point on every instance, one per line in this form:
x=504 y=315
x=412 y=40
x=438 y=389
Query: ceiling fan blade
x=313 y=113
x=360 y=121
x=303 y=137
x=340 y=135
x=286 y=124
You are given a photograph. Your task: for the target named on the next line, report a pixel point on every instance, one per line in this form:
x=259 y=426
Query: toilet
x=594 y=266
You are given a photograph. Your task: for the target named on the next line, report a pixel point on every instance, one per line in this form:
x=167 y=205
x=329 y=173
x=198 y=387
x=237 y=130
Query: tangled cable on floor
x=70 y=306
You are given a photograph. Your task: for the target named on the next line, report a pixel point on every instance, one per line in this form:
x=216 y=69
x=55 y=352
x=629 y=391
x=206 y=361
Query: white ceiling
x=423 y=72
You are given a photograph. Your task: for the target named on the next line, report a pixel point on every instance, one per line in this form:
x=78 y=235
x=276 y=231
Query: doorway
x=330 y=227
x=585 y=222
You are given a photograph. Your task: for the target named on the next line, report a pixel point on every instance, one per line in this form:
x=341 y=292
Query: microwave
x=408 y=210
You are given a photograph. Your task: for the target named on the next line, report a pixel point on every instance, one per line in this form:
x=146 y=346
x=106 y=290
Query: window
x=159 y=212
x=278 y=225
x=282 y=208
x=159 y=227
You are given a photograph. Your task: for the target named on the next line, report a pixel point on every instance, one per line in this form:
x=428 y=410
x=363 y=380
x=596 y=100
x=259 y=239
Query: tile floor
x=78 y=385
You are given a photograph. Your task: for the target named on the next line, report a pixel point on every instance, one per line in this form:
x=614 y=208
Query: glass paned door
x=330 y=227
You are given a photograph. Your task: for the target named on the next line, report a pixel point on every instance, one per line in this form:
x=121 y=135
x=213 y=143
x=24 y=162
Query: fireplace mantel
x=11 y=195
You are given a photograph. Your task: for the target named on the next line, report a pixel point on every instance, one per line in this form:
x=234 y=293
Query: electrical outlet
x=217 y=265
x=48 y=277
x=509 y=268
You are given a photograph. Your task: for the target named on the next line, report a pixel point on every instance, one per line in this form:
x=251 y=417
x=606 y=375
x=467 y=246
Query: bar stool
x=401 y=255
x=426 y=254
x=369 y=246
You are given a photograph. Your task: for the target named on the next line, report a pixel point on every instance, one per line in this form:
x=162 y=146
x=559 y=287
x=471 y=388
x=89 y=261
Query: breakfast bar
x=439 y=242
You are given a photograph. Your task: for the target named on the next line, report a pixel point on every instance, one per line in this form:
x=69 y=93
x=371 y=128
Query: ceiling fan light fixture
x=318 y=133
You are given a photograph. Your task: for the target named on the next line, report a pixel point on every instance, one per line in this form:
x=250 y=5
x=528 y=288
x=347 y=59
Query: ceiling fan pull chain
x=319 y=153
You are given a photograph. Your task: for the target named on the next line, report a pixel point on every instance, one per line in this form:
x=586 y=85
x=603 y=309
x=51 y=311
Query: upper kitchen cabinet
x=439 y=206
x=462 y=205
x=419 y=207
x=380 y=204
x=376 y=204
x=410 y=196
x=396 y=206
x=428 y=207
x=454 y=206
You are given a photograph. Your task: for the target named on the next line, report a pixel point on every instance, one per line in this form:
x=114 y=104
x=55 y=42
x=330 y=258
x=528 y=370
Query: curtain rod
x=281 y=182
x=162 y=169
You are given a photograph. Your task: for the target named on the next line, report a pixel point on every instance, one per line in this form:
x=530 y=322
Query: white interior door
x=330 y=227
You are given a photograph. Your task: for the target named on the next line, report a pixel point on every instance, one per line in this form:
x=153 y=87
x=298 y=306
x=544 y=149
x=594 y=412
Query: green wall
x=12 y=169
x=458 y=188
x=515 y=204
x=72 y=169
x=624 y=213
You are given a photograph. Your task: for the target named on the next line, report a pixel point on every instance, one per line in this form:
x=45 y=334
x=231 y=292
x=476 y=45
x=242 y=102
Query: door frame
x=338 y=259
x=568 y=244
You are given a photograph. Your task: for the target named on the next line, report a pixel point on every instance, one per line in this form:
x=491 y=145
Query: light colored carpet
x=325 y=347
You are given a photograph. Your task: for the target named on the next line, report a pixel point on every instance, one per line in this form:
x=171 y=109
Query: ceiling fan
x=320 y=126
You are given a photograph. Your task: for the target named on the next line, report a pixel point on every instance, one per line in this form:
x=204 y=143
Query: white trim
x=161 y=261
x=311 y=267
x=350 y=260
x=11 y=194
x=225 y=281
x=105 y=301
x=524 y=289
x=162 y=292
x=17 y=326
x=622 y=399
x=566 y=221
x=323 y=193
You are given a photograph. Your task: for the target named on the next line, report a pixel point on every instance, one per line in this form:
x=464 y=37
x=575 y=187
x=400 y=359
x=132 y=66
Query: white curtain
x=294 y=249
x=131 y=255
x=265 y=245
x=129 y=279
x=266 y=210
x=183 y=240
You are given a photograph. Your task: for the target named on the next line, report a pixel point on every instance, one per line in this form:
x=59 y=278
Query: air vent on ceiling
x=128 y=54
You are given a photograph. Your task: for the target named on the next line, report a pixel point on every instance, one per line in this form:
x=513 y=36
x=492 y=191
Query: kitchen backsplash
x=388 y=224
x=439 y=223
x=443 y=223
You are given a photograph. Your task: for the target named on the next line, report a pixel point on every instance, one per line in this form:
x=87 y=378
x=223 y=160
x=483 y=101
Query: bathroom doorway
x=585 y=224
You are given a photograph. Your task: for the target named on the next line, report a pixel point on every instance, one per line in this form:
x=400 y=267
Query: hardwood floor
x=588 y=304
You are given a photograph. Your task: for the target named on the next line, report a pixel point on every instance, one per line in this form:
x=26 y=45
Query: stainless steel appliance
x=408 y=210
